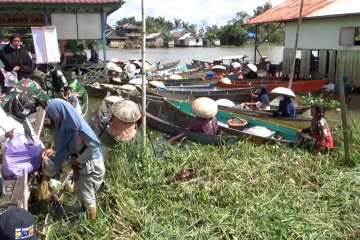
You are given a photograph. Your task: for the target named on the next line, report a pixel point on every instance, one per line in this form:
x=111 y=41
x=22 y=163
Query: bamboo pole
x=292 y=67
x=25 y=193
x=348 y=161
x=143 y=75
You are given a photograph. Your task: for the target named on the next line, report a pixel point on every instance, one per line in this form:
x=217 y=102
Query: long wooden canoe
x=297 y=85
x=281 y=133
x=188 y=92
x=163 y=66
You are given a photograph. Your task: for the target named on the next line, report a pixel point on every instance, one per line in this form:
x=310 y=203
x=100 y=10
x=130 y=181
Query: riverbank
x=243 y=192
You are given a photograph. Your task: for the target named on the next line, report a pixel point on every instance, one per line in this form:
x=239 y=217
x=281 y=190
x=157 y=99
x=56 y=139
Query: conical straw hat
x=218 y=67
x=137 y=81
x=175 y=77
x=204 y=107
x=225 y=102
x=157 y=84
x=283 y=91
x=114 y=99
x=116 y=68
x=126 y=111
x=128 y=87
x=252 y=67
x=225 y=80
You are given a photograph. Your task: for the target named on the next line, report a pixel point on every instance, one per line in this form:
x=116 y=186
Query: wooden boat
x=285 y=134
x=160 y=67
x=280 y=133
x=82 y=96
x=194 y=80
x=14 y=189
x=167 y=120
x=186 y=92
x=297 y=85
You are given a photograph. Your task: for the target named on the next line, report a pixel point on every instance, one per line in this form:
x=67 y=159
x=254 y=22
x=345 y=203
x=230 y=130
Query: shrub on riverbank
x=242 y=192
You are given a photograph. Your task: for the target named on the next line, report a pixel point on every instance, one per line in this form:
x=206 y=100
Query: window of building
x=350 y=36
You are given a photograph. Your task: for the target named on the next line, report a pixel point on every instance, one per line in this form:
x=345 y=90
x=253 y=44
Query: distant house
x=157 y=38
x=185 y=38
x=251 y=37
x=122 y=33
x=329 y=29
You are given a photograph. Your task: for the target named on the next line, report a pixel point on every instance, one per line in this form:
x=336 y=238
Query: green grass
x=243 y=192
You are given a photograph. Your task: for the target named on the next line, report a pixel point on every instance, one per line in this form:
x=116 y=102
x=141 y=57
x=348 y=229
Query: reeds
x=243 y=192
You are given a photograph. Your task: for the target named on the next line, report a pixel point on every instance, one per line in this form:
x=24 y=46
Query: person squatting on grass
x=75 y=141
x=319 y=129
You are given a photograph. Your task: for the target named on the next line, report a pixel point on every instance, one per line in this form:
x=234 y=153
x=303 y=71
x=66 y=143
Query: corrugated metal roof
x=289 y=10
x=185 y=36
x=153 y=35
x=62 y=1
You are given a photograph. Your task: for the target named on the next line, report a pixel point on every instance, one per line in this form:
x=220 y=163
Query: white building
x=329 y=29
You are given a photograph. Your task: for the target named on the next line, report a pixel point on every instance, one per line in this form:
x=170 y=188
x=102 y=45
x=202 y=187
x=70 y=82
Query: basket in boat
x=238 y=123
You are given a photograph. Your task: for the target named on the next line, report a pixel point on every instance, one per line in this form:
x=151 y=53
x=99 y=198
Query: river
x=274 y=53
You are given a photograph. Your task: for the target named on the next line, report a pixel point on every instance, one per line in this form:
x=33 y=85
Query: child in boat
x=205 y=110
x=319 y=129
x=262 y=100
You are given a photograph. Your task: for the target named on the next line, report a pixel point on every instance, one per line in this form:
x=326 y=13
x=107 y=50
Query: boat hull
x=297 y=86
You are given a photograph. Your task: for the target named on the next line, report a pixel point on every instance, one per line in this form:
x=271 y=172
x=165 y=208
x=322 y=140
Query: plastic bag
x=19 y=155
x=44 y=192
x=10 y=78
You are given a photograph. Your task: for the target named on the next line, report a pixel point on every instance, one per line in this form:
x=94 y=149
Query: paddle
x=180 y=135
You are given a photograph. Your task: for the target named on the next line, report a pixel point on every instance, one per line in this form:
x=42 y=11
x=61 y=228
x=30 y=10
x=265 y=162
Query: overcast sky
x=192 y=11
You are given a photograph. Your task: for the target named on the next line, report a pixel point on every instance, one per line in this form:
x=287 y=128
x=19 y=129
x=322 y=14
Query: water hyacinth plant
x=247 y=191
x=330 y=104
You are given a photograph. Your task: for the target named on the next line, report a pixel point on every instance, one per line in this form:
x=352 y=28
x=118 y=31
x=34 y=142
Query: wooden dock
x=14 y=189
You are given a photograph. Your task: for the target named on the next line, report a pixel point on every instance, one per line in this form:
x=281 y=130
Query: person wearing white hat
x=252 y=73
x=205 y=110
x=286 y=106
x=219 y=71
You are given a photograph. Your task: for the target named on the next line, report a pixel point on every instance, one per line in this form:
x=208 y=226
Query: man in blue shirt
x=94 y=54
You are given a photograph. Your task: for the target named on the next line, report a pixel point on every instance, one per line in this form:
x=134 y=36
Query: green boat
x=280 y=133
x=82 y=95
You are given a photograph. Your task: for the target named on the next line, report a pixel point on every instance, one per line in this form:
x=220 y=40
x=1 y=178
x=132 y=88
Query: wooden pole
x=143 y=75
x=292 y=67
x=339 y=72
x=25 y=193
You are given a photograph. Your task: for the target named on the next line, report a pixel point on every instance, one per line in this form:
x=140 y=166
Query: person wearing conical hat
x=286 y=106
x=205 y=110
x=123 y=122
x=220 y=71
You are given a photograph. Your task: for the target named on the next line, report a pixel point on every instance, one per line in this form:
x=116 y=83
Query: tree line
x=233 y=33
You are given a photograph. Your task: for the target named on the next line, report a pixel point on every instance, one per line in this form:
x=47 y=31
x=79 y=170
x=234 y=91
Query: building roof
x=113 y=35
x=128 y=26
x=186 y=35
x=62 y=1
x=153 y=35
x=289 y=11
x=178 y=34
